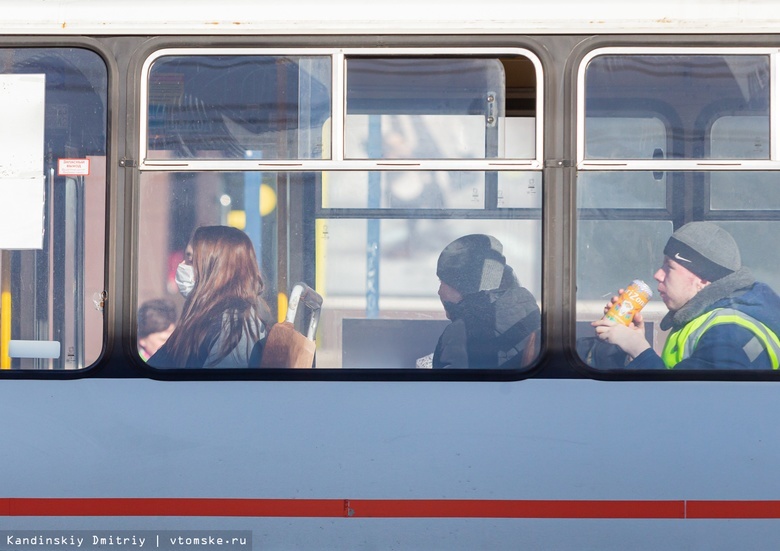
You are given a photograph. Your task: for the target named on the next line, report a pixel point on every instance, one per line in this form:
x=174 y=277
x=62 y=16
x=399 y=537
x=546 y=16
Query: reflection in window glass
x=640 y=138
x=739 y=137
x=621 y=190
x=610 y=255
x=688 y=92
x=239 y=106
x=373 y=274
x=405 y=190
x=440 y=108
x=431 y=190
x=744 y=190
x=50 y=290
x=520 y=190
x=753 y=236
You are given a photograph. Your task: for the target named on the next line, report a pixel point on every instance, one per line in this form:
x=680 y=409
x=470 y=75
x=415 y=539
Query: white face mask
x=185 y=279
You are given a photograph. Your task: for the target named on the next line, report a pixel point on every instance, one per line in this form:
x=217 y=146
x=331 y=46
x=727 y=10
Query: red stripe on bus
x=389 y=508
x=476 y=508
x=172 y=507
x=733 y=509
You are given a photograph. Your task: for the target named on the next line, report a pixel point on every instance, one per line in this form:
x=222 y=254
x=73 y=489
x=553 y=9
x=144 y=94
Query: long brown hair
x=227 y=290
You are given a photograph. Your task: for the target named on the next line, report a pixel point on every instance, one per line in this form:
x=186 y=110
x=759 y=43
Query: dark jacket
x=727 y=345
x=246 y=354
x=491 y=329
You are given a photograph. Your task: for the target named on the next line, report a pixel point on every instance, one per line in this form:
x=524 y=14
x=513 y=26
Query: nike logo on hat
x=678 y=257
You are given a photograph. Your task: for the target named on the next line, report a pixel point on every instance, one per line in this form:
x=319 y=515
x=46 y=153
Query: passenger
x=719 y=316
x=495 y=321
x=224 y=316
x=156 y=322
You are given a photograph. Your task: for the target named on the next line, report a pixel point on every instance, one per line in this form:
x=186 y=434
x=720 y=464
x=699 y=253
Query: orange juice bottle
x=634 y=298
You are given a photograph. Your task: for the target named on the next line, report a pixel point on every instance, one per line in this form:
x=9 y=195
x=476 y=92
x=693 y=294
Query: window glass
x=52 y=289
x=744 y=190
x=611 y=254
x=689 y=93
x=368 y=241
x=754 y=238
x=520 y=189
x=641 y=138
x=400 y=311
x=377 y=276
x=440 y=108
x=743 y=137
x=431 y=190
x=405 y=190
x=639 y=246
x=615 y=246
x=621 y=190
x=239 y=106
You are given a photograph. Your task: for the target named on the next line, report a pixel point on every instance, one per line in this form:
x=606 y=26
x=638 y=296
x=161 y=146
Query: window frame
x=105 y=283
x=337 y=160
x=339 y=163
x=697 y=169
x=673 y=165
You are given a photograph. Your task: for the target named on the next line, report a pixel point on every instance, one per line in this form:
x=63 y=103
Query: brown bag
x=286 y=347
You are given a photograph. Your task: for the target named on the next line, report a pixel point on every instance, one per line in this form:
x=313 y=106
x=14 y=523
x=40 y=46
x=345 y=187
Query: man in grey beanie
x=719 y=316
x=495 y=321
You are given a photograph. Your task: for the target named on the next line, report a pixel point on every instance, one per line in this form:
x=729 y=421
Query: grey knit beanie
x=472 y=263
x=705 y=249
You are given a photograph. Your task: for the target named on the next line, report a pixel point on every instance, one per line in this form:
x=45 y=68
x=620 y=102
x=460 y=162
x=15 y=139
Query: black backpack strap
x=518 y=332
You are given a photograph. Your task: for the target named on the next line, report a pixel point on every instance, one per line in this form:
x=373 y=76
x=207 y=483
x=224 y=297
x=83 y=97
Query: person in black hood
x=495 y=321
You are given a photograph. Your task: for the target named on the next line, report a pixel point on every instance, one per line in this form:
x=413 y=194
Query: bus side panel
x=388 y=450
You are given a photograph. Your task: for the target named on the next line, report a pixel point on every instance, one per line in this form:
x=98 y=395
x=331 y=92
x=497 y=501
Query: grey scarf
x=712 y=293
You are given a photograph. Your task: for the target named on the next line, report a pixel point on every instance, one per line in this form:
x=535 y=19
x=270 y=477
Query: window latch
x=558 y=163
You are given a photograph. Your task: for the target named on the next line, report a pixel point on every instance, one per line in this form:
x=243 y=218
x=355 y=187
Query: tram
x=352 y=142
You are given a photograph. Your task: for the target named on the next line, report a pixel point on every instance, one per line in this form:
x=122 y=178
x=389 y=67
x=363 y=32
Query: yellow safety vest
x=680 y=344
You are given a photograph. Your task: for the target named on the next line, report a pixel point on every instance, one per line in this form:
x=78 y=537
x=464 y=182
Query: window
x=362 y=166
x=52 y=197
x=687 y=93
x=432 y=108
x=238 y=106
x=668 y=136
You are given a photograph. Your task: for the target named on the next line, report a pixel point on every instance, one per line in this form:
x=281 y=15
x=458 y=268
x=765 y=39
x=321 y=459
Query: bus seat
x=388 y=343
x=286 y=346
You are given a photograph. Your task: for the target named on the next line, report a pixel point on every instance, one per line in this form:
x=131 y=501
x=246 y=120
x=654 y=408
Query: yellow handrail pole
x=281 y=307
x=5 y=309
x=320 y=225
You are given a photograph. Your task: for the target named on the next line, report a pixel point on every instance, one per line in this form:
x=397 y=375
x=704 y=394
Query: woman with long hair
x=224 y=316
